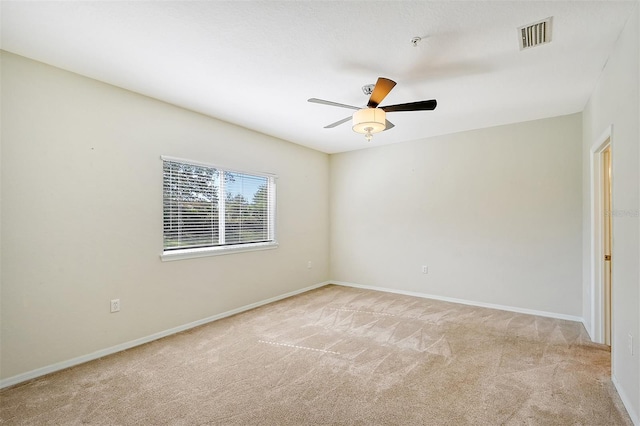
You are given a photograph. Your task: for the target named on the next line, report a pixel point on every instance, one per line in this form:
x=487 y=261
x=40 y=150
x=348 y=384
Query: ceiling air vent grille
x=535 y=34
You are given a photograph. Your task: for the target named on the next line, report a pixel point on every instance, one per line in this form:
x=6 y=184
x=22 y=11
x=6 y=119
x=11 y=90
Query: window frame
x=216 y=250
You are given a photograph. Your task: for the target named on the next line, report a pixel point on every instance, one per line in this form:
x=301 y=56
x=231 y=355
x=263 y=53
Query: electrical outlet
x=425 y=270
x=115 y=305
x=309 y=265
x=630 y=343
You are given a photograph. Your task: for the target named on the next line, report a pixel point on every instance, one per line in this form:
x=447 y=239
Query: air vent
x=535 y=34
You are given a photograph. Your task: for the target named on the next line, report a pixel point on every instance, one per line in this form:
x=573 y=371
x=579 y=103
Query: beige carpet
x=340 y=356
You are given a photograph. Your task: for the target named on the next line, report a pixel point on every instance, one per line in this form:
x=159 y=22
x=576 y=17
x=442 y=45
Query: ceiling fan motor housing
x=368 y=89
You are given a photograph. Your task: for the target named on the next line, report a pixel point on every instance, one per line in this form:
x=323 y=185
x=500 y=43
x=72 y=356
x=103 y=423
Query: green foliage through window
x=204 y=206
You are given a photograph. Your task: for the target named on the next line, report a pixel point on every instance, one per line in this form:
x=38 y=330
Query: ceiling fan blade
x=337 y=123
x=323 y=102
x=388 y=124
x=412 y=106
x=380 y=91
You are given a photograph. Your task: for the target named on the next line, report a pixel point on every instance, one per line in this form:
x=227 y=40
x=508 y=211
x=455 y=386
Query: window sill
x=168 y=256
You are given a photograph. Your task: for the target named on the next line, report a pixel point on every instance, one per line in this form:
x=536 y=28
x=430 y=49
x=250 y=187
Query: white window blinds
x=205 y=206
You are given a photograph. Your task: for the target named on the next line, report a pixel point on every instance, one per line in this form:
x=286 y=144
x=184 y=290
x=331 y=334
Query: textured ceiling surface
x=256 y=63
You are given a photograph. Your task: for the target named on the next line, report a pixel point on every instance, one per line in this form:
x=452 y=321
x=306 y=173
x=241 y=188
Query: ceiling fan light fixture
x=369 y=121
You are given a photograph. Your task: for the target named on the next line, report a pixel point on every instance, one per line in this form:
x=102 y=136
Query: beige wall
x=494 y=213
x=614 y=103
x=82 y=221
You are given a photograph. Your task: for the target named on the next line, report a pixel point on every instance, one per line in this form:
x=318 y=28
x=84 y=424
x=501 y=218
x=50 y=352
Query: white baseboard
x=588 y=330
x=10 y=381
x=588 y=325
x=464 y=302
x=626 y=401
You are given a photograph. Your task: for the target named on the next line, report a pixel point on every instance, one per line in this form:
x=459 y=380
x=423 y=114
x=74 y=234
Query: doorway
x=606 y=239
x=602 y=285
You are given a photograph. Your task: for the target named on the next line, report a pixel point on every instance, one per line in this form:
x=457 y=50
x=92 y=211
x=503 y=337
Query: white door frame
x=597 y=235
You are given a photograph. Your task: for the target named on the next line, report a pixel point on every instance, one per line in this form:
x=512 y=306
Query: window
x=208 y=210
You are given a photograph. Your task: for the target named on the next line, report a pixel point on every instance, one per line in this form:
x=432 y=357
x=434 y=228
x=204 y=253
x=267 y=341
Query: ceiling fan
x=372 y=118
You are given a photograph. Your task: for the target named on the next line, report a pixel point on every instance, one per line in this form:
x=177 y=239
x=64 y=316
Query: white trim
x=168 y=256
x=273 y=205
x=464 y=302
x=128 y=345
x=626 y=401
x=222 y=210
x=596 y=331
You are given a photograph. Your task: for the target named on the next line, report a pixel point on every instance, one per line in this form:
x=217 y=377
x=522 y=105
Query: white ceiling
x=256 y=63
